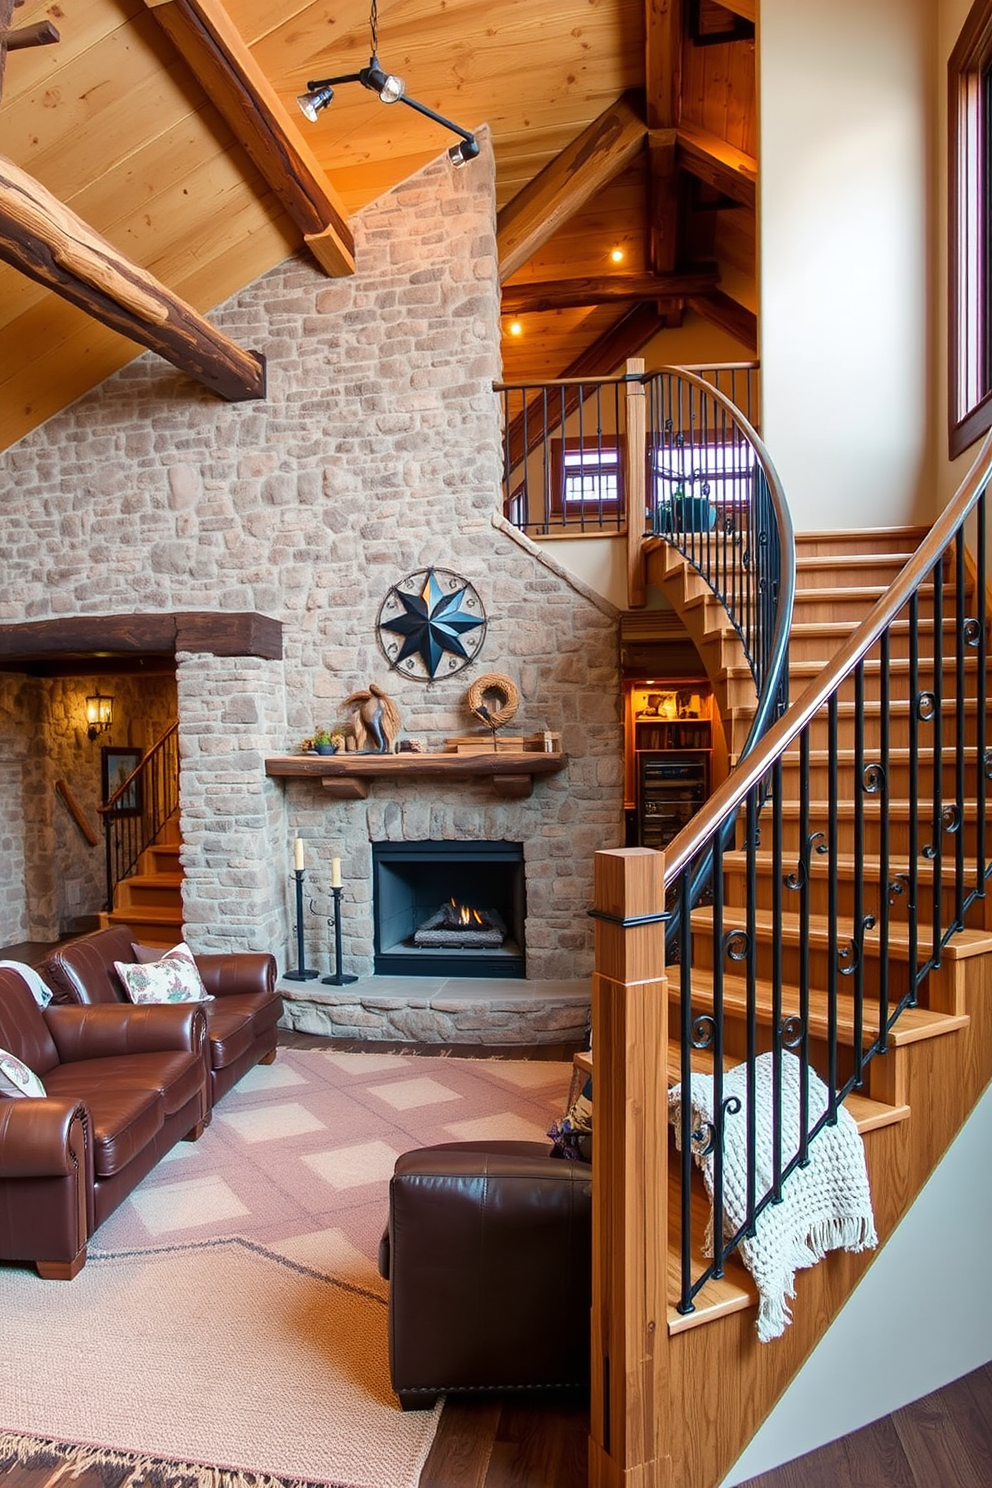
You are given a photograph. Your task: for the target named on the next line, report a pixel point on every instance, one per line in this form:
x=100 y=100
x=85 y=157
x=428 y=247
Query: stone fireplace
x=376 y=453
x=413 y=883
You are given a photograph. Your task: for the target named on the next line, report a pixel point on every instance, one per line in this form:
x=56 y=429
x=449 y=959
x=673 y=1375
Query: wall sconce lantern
x=99 y=714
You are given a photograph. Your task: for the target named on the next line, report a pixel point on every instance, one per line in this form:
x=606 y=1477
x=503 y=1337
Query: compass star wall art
x=431 y=624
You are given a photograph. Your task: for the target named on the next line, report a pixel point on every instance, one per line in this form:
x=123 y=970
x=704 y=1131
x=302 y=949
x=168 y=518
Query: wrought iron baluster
x=686 y=1042
x=884 y=904
x=832 y=899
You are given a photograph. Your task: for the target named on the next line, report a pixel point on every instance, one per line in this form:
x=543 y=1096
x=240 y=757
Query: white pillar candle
x=298 y=853
x=335 y=873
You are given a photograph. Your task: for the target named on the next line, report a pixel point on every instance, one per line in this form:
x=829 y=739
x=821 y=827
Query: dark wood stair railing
x=135 y=815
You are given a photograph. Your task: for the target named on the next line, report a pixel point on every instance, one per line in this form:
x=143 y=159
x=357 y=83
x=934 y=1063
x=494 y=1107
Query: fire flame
x=466 y=915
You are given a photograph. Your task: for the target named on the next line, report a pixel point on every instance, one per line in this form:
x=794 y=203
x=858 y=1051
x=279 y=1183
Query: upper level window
x=588 y=483
x=969 y=112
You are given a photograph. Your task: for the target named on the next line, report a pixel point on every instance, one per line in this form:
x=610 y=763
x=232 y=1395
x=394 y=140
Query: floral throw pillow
x=16 y=1078
x=173 y=979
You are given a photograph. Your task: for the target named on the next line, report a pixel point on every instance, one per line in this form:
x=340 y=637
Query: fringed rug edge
x=119 y=1469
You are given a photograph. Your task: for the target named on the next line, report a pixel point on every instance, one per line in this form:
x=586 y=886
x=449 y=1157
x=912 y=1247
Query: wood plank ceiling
x=169 y=128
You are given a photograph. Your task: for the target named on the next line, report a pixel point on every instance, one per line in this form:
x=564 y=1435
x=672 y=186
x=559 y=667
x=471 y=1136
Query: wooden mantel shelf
x=346 y=776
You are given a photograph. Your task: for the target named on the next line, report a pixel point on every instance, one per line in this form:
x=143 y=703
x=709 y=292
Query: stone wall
x=375 y=454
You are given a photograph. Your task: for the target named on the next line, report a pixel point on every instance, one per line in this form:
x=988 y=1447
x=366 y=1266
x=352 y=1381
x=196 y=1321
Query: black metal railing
x=564 y=447
x=136 y=813
x=846 y=852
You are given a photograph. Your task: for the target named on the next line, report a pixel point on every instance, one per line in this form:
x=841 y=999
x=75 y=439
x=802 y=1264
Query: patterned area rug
x=230 y=1324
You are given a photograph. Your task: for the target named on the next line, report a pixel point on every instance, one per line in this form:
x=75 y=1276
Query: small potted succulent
x=324 y=741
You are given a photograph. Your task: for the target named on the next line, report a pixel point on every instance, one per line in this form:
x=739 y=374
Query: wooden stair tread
x=735 y=1291
x=145 y=914
x=965 y=943
x=847 y=864
x=914 y=1024
x=165 y=879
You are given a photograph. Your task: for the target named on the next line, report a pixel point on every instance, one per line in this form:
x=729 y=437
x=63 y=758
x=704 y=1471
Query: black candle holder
x=339 y=978
x=302 y=972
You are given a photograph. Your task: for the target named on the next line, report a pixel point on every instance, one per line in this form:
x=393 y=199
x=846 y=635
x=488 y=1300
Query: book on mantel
x=483 y=744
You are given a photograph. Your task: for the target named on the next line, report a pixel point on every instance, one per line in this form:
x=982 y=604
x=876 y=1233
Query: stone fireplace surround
x=376 y=453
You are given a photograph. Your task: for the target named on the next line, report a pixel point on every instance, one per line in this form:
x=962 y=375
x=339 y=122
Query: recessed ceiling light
x=616 y=255
x=515 y=328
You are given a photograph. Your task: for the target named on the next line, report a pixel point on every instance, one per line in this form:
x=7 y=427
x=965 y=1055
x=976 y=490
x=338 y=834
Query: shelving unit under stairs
x=669 y=730
x=150 y=901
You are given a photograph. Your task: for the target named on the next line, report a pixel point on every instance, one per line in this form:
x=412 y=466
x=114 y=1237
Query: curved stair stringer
x=722 y=1382
x=712 y=633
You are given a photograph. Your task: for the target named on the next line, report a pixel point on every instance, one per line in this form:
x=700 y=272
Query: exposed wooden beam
x=42 y=33
x=608 y=289
x=625 y=339
x=220 y=58
x=730 y=315
x=718 y=163
x=566 y=183
x=6 y=16
x=102 y=640
x=663 y=104
x=48 y=242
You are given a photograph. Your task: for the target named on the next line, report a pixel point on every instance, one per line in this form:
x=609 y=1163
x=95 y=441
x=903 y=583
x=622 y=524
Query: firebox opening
x=452 y=909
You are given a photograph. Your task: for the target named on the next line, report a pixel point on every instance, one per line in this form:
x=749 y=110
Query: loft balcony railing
x=134 y=816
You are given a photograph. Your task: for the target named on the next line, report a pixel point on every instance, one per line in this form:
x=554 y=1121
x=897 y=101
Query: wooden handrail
x=123 y=788
x=76 y=812
x=725 y=800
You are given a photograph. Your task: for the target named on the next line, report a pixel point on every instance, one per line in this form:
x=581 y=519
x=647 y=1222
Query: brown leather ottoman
x=487 y=1254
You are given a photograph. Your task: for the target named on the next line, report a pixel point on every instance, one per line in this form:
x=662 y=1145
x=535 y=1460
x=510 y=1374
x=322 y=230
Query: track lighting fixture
x=391 y=89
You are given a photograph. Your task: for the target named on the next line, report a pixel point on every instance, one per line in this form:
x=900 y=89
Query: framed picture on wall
x=116 y=765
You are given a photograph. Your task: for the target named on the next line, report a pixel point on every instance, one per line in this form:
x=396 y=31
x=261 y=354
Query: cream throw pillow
x=173 y=979
x=16 y=1078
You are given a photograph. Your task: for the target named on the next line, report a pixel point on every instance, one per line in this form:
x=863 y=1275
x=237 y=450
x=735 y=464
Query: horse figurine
x=375 y=718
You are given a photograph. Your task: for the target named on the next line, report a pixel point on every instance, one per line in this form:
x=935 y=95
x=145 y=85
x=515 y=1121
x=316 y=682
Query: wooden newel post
x=629 y=1404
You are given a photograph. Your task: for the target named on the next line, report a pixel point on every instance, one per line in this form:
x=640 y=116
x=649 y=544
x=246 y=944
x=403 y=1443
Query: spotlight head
x=464 y=151
x=389 y=87
x=311 y=102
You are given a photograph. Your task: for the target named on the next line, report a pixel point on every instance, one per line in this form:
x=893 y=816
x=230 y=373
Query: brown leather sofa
x=488 y=1258
x=122 y=1086
x=241 y=1021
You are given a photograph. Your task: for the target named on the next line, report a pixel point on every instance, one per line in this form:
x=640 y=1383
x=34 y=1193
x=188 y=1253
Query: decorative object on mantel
x=323 y=741
x=302 y=972
x=494 y=699
x=375 y=717
x=432 y=621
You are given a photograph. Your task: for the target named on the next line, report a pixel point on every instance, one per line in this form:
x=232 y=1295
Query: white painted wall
x=917 y=1321
x=845 y=93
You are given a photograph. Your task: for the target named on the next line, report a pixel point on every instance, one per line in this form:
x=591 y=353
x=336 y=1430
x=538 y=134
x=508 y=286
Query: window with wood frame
x=587 y=479
x=969 y=119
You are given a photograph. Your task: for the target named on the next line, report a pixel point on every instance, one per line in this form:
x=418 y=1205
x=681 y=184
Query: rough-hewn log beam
x=214 y=632
x=42 y=33
x=48 y=242
x=567 y=183
x=730 y=315
x=6 y=15
x=218 y=55
x=718 y=163
x=609 y=289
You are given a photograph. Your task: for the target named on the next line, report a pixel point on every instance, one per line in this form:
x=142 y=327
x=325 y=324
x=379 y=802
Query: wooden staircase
x=150 y=900
x=708 y=1389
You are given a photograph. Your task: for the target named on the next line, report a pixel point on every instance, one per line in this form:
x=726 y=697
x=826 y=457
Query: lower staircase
x=150 y=900
x=852 y=859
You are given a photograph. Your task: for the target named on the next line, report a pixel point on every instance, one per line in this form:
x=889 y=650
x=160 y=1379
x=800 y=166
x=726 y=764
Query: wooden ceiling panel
x=718 y=92
x=82 y=25
x=581 y=247
x=551 y=340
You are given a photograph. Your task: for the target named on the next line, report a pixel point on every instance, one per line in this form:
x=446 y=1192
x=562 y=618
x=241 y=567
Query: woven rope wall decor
x=494 y=685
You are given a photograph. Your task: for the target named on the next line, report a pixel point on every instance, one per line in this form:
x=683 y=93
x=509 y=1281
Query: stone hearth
x=443 y=1011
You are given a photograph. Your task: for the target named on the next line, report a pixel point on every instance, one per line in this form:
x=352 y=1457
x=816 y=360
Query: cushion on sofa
x=16 y=1078
x=230 y=1031
x=125 y=1117
x=173 y=978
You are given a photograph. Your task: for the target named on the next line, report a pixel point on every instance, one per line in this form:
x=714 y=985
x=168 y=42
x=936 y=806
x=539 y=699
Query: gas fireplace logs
x=458 y=927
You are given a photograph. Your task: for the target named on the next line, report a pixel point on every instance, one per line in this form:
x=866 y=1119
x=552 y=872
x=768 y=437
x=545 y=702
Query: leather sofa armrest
x=237 y=971
x=37 y=1137
x=105 y=1029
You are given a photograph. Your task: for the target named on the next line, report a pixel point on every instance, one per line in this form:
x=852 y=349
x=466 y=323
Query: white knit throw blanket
x=825 y=1206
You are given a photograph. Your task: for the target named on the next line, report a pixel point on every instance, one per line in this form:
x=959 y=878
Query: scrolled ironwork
x=850 y=956
x=874 y=779
x=971 y=632
x=926 y=707
x=816 y=842
x=898 y=885
x=951 y=817
x=792 y=1031
x=736 y=944
x=703 y=1032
